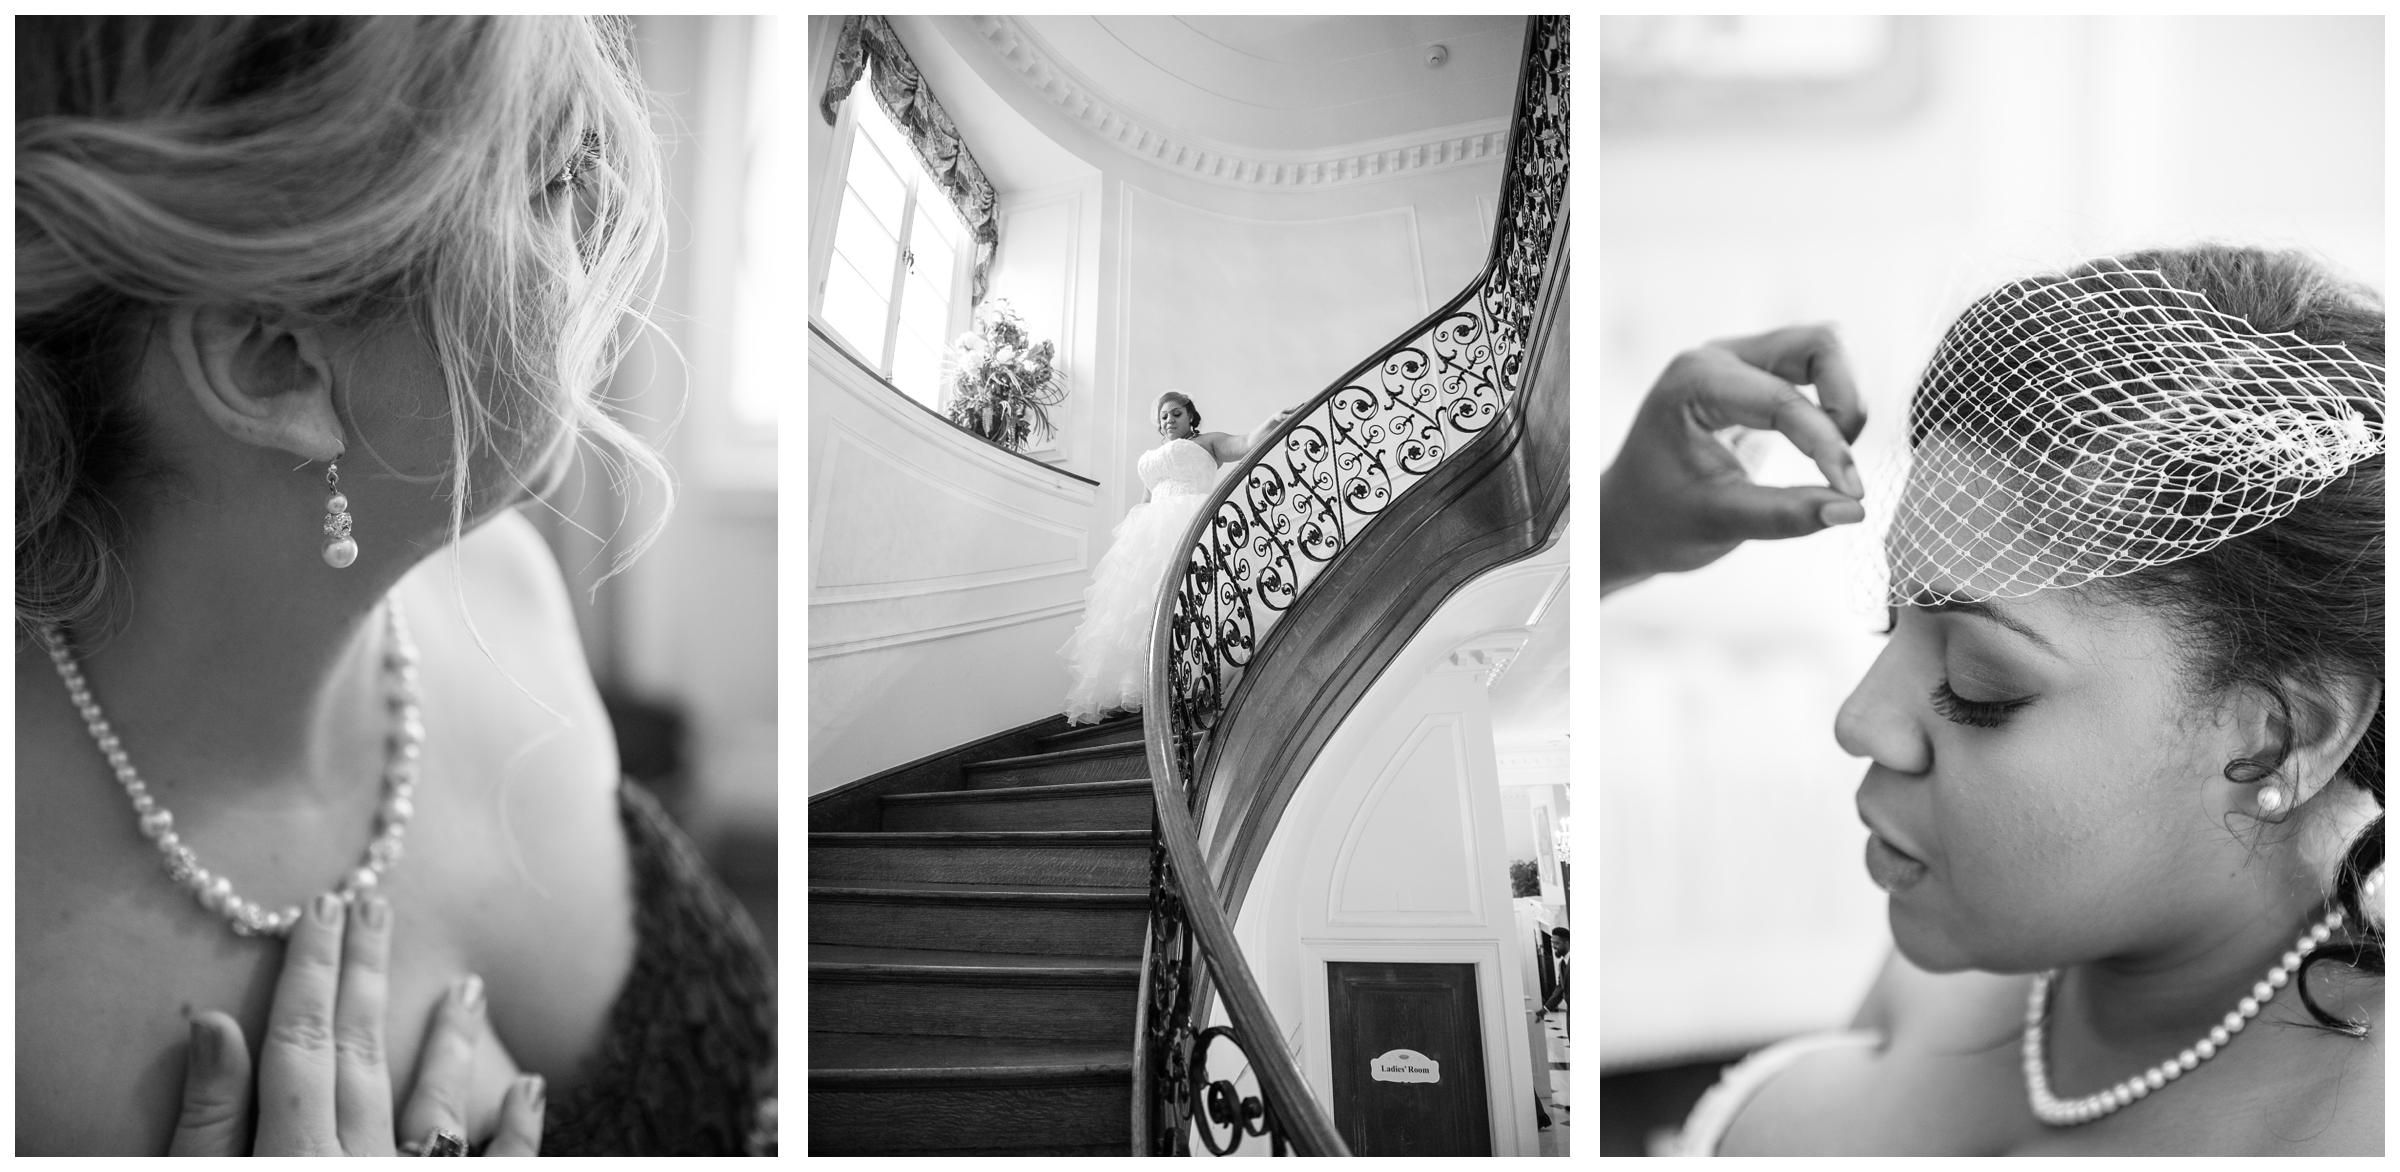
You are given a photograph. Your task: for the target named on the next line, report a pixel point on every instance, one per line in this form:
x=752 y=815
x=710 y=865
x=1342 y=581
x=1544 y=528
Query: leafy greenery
x=1001 y=383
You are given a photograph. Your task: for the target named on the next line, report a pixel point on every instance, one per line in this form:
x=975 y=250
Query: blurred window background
x=1875 y=173
x=683 y=640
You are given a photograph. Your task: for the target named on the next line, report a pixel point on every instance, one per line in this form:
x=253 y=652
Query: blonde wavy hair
x=318 y=169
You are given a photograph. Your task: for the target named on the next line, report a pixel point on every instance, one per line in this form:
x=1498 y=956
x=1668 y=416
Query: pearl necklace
x=2059 y=1112
x=215 y=892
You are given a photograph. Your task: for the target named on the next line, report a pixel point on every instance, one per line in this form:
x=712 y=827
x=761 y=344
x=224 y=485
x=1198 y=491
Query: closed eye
x=1958 y=709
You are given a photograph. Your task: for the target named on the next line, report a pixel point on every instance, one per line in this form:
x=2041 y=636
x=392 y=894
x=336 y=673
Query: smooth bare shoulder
x=2335 y=1106
x=497 y=608
x=1934 y=1035
x=509 y=567
x=1225 y=446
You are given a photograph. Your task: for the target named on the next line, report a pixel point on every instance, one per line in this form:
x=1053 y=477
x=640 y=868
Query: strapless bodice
x=1177 y=466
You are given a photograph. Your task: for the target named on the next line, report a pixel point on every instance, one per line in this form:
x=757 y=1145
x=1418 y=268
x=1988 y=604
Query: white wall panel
x=942 y=574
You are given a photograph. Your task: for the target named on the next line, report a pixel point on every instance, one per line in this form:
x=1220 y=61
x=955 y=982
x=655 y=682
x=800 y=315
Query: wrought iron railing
x=1274 y=526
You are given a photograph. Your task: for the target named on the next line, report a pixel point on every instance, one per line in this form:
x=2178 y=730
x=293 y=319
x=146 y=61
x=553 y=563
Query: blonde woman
x=306 y=308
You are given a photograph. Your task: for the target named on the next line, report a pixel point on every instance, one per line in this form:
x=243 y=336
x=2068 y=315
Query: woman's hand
x=1677 y=499
x=1251 y=442
x=322 y=1088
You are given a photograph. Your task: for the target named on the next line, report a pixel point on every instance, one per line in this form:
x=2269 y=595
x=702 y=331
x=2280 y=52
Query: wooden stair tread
x=862 y=958
x=853 y=1058
x=1116 y=730
x=1052 y=791
x=916 y=889
x=1062 y=756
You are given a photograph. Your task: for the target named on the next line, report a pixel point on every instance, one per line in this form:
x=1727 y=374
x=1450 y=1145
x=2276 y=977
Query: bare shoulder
x=2334 y=1104
x=1929 y=1042
x=522 y=858
x=1225 y=446
x=506 y=566
x=497 y=629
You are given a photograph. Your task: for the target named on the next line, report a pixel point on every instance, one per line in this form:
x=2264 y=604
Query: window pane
x=936 y=263
x=856 y=310
x=925 y=310
x=874 y=181
x=941 y=216
x=877 y=121
x=866 y=245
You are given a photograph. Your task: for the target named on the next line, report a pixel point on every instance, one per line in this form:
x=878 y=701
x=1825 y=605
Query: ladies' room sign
x=1405 y=1066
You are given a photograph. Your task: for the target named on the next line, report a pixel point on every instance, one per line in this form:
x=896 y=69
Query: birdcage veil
x=2087 y=425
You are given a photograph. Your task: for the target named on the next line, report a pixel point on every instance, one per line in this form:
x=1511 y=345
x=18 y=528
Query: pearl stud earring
x=340 y=548
x=2270 y=801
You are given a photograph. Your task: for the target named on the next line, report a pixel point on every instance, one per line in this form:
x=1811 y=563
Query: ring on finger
x=437 y=1142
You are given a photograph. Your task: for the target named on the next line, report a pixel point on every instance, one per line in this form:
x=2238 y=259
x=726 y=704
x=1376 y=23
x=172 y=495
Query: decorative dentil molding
x=1024 y=53
x=1541 y=758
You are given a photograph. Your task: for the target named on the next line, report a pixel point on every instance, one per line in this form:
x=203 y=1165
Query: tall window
x=896 y=286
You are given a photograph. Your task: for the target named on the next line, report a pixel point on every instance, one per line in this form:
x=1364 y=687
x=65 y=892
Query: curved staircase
x=974 y=949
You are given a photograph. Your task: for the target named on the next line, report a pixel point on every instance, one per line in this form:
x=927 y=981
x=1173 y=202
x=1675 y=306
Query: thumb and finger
x=1735 y=393
x=1813 y=356
x=215 y=1120
x=1753 y=512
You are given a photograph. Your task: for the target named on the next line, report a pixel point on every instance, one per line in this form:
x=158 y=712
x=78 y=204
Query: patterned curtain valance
x=902 y=91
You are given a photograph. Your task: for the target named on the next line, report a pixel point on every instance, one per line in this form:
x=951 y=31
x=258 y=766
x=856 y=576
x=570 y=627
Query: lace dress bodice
x=1177 y=467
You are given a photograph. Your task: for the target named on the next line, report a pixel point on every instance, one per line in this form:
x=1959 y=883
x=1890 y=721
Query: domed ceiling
x=1275 y=101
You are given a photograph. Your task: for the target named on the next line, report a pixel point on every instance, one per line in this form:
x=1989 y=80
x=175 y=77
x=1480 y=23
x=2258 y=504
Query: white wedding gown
x=1109 y=655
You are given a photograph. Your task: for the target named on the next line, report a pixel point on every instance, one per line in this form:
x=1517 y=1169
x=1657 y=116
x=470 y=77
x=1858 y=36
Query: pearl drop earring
x=2270 y=801
x=340 y=548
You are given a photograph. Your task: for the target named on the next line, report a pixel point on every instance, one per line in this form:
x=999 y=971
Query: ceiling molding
x=1026 y=55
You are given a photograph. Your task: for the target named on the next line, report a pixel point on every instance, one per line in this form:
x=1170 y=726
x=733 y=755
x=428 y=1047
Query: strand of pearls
x=2059 y=1112
x=215 y=892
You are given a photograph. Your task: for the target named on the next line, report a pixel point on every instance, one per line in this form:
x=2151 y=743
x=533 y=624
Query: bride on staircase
x=1110 y=653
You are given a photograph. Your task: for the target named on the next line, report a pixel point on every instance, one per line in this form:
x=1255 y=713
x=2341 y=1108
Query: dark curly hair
x=2293 y=608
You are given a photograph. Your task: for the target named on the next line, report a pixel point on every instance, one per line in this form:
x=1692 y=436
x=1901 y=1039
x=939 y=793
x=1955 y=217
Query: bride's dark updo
x=1176 y=397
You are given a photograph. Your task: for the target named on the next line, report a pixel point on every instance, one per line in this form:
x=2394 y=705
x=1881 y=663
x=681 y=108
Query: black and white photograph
x=1990 y=702
x=396 y=573
x=1187 y=585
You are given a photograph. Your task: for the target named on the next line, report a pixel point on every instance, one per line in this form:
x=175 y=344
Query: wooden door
x=1407 y=1052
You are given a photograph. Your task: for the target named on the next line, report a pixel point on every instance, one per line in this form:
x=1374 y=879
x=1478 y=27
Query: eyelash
x=587 y=156
x=1958 y=709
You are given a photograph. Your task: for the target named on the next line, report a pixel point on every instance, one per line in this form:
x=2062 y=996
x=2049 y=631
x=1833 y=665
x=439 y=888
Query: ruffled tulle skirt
x=1109 y=655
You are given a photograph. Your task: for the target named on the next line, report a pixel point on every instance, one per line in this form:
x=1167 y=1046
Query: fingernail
x=1842 y=513
x=327 y=909
x=470 y=993
x=531 y=1087
x=375 y=912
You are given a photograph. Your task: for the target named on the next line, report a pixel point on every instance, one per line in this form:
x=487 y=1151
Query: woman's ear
x=261 y=382
x=2328 y=716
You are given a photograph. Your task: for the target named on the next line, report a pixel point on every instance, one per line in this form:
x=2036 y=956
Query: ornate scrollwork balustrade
x=1276 y=523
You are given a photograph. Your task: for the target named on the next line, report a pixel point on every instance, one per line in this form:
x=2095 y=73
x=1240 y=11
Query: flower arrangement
x=1001 y=384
